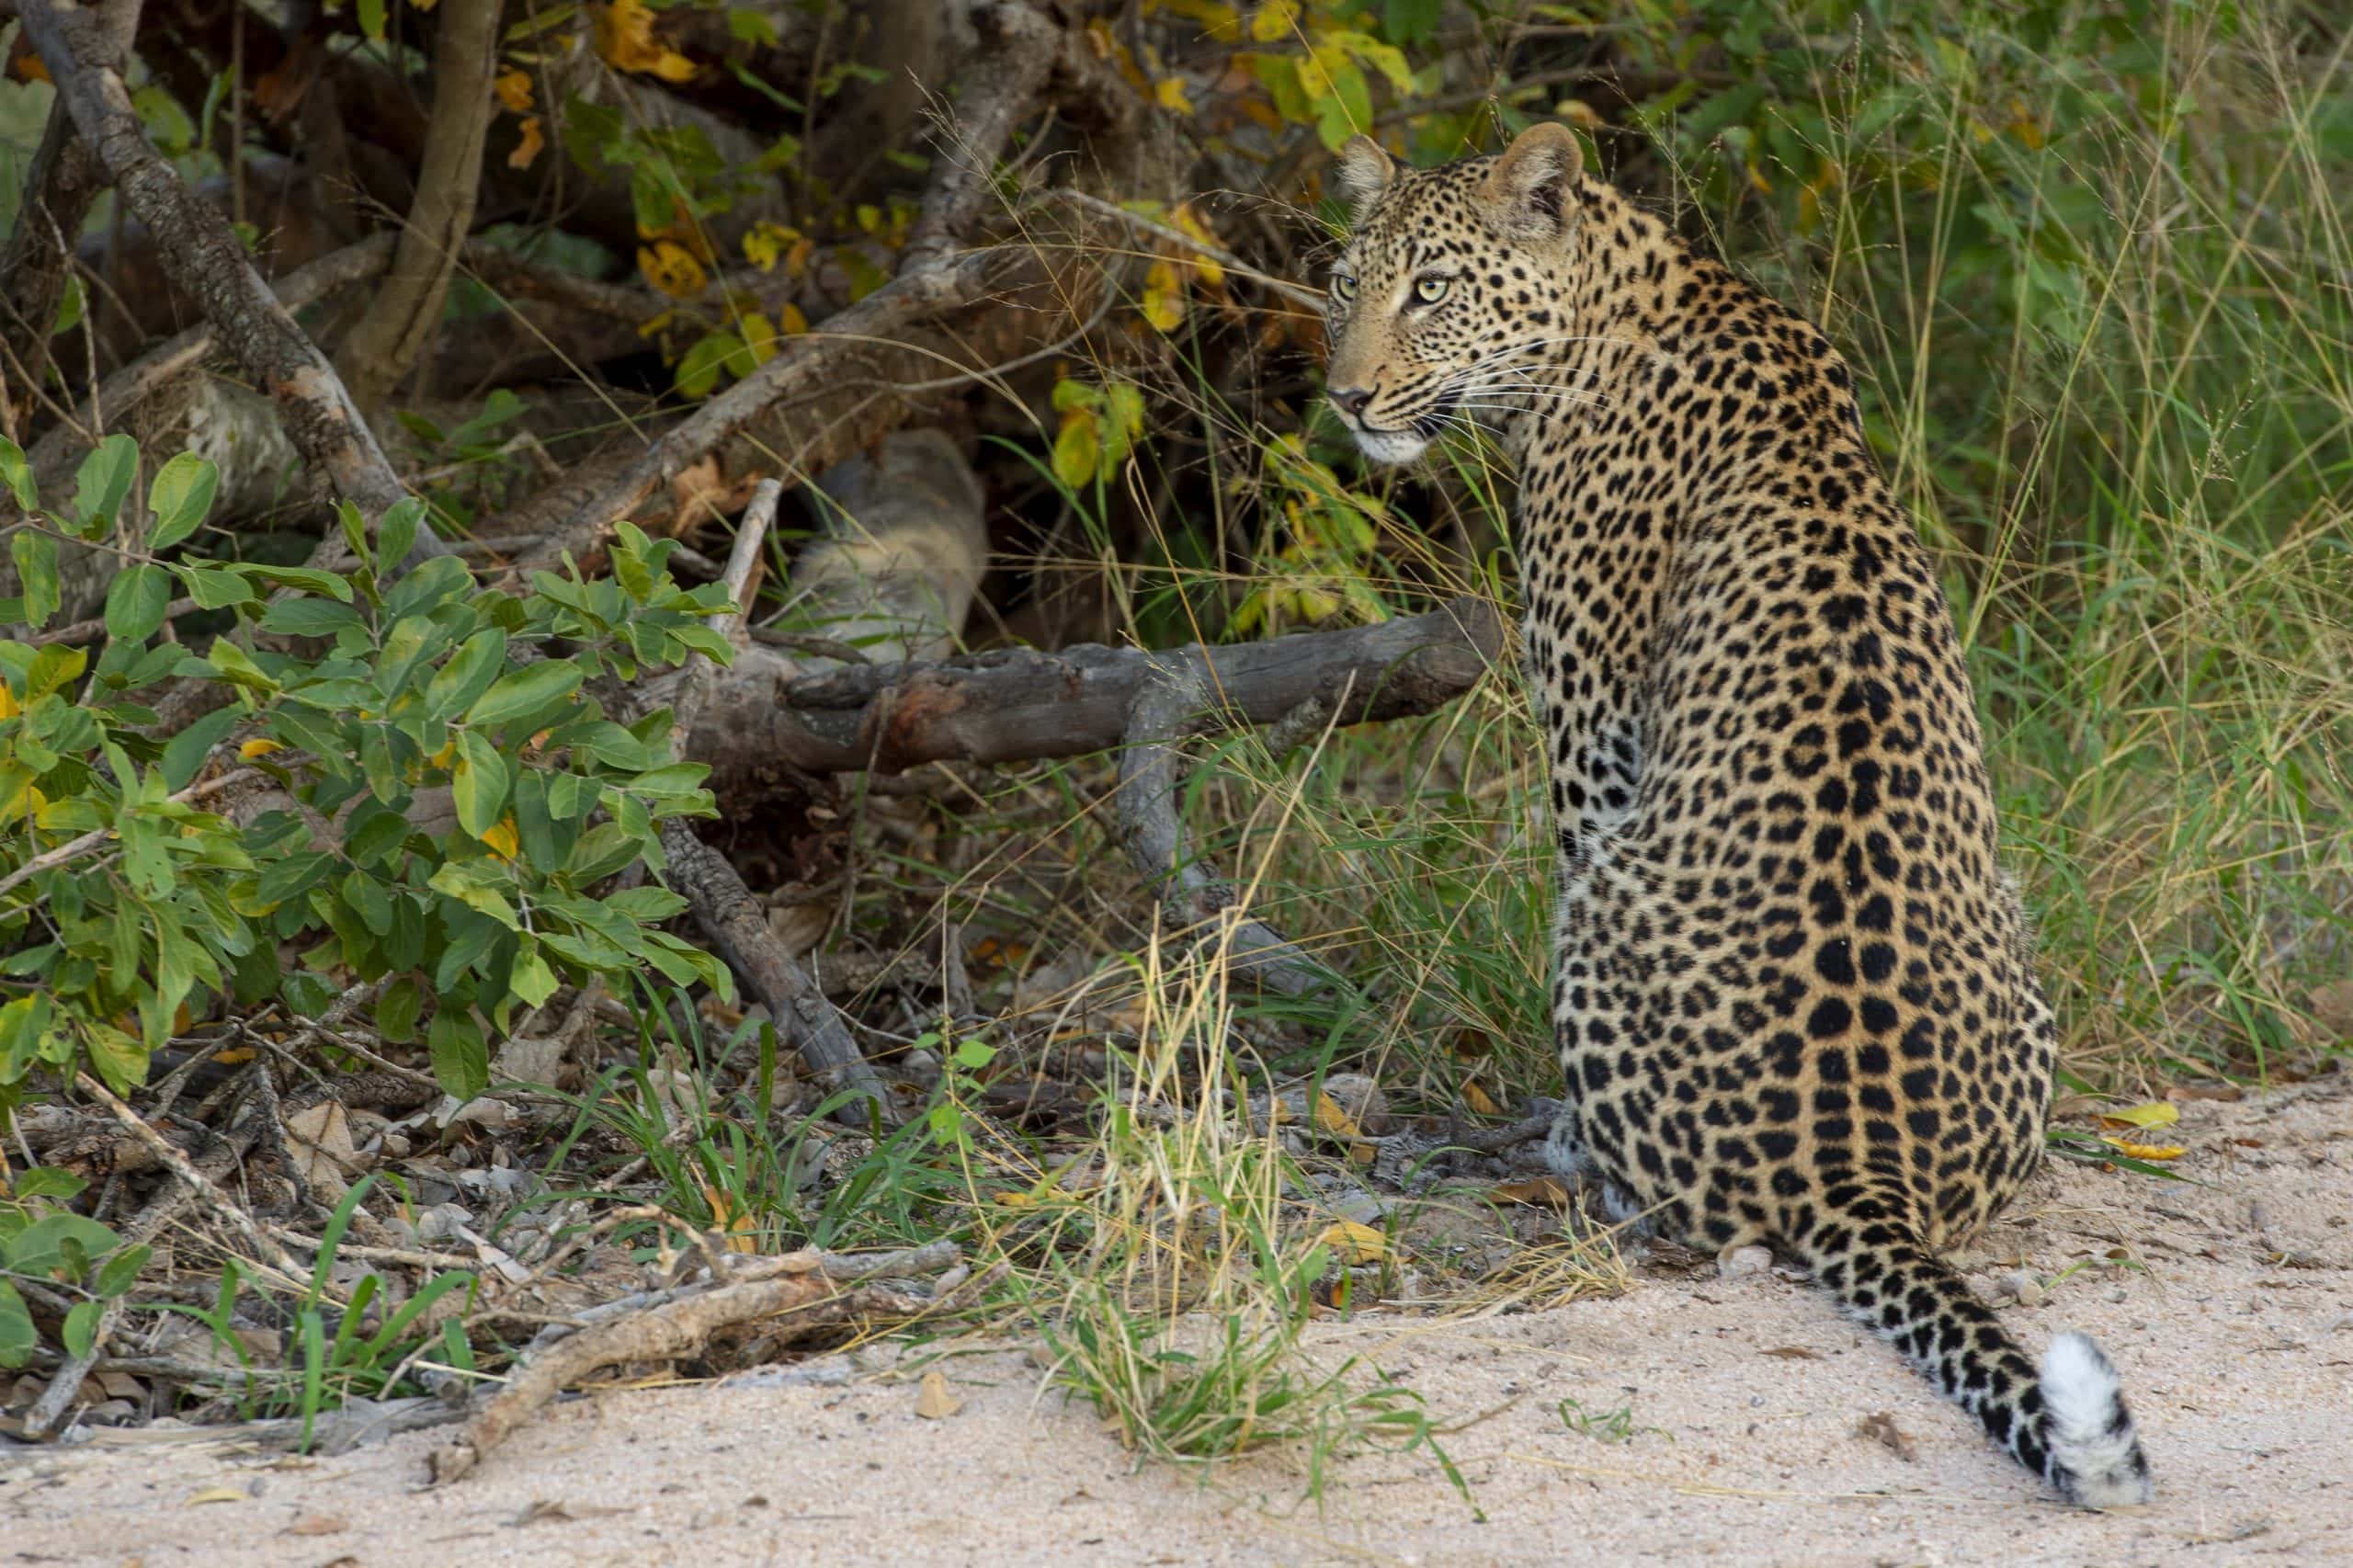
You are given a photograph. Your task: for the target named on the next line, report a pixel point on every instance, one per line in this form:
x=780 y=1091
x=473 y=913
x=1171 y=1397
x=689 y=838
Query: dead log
x=764 y=722
x=903 y=546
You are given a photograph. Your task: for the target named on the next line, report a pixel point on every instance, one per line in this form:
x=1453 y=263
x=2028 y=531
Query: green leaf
x=460 y=1057
x=1409 y=21
x=47 y=1181
x=18 y=1337
x=699 y=367
x=215 y=590
x=328 y=582
x=533 y=982
x=371 y=19
x=103 y=483
x=570 y=796
x=614 y=746
x=453 y=880
x=120 y=1059
x=309 y=618
x=180 y=497
x=136 y=602
x=81 y=1331
x=467 y=675
x=187 y=751
x=36 y=558
x=119 y=1272
x=370 y=901
x=398 y=1008
x=518 y=694
x=480 y=784
x=17 y=473
x=396 y=535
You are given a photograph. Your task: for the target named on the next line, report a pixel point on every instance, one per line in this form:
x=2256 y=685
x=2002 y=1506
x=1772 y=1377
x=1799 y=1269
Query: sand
x=2227 y=1305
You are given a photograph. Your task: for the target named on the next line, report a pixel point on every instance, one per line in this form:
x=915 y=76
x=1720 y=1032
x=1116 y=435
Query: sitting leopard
x=1794 y=995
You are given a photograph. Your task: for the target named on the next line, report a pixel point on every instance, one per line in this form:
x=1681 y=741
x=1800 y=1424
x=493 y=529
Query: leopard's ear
x=1362 y=171
x=1528 y=187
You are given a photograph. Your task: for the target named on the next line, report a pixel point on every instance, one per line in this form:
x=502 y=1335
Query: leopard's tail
x=2069 y=1424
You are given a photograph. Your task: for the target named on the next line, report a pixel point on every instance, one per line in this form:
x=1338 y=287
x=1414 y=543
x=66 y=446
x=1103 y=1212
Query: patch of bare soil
x=1740 y=1416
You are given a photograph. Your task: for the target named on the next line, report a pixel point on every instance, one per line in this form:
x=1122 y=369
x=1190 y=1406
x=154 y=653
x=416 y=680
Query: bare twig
x=201 y=255
x=799 y=1284
x=404 y=317
x=212 y=1196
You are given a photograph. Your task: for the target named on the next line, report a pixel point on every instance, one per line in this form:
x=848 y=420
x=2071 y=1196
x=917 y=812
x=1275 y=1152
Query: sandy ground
x=2228 y=1305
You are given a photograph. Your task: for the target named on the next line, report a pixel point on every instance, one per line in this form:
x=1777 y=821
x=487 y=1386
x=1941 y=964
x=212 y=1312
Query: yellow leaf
x=25 y=800
x=1163 y=298
x=258 y=747
x=441 y=758
x=1220 y=21
x=2157 y=1113
x=767 y=243
x=8 y=708
x=732 y=1220
x=2132 y=1151
x=1478 y=1099
x=219 y=1494
x=933 y=1402
x=527 y=148
x=624 y=38
x=1275 y=22
x=1169 y=92
x=1352 y=1243
x=1332 y=1118
x=759 y=335
x=1213 y=274
x=790 y=321
x=501 y=838
x=513 y=89
x=1017 y=1199
x=671 y=268
x=1543 y=1191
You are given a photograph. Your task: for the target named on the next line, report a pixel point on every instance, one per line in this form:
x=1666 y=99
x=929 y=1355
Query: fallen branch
x=202 y=255
x=737 y=922
x=765 y=722
x=801 y=1284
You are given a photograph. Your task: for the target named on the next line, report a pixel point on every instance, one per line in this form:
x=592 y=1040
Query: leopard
x=1793 y=991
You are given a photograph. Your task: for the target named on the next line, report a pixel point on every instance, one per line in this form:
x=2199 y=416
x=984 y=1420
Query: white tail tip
x=2096 y=1454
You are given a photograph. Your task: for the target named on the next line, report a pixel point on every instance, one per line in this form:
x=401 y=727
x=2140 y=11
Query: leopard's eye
x=1343 y=287
x=1431 y=290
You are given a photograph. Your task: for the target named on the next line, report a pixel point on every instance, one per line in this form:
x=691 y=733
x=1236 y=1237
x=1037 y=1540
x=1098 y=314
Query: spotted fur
x=1794 y=995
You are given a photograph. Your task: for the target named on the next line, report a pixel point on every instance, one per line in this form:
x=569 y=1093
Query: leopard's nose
x=1350 y=401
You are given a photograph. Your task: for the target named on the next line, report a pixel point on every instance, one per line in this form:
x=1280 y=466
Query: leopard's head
x=1450 y=286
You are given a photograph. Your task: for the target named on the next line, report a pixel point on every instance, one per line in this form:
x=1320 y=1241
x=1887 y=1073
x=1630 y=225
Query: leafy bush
x=444 y=796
